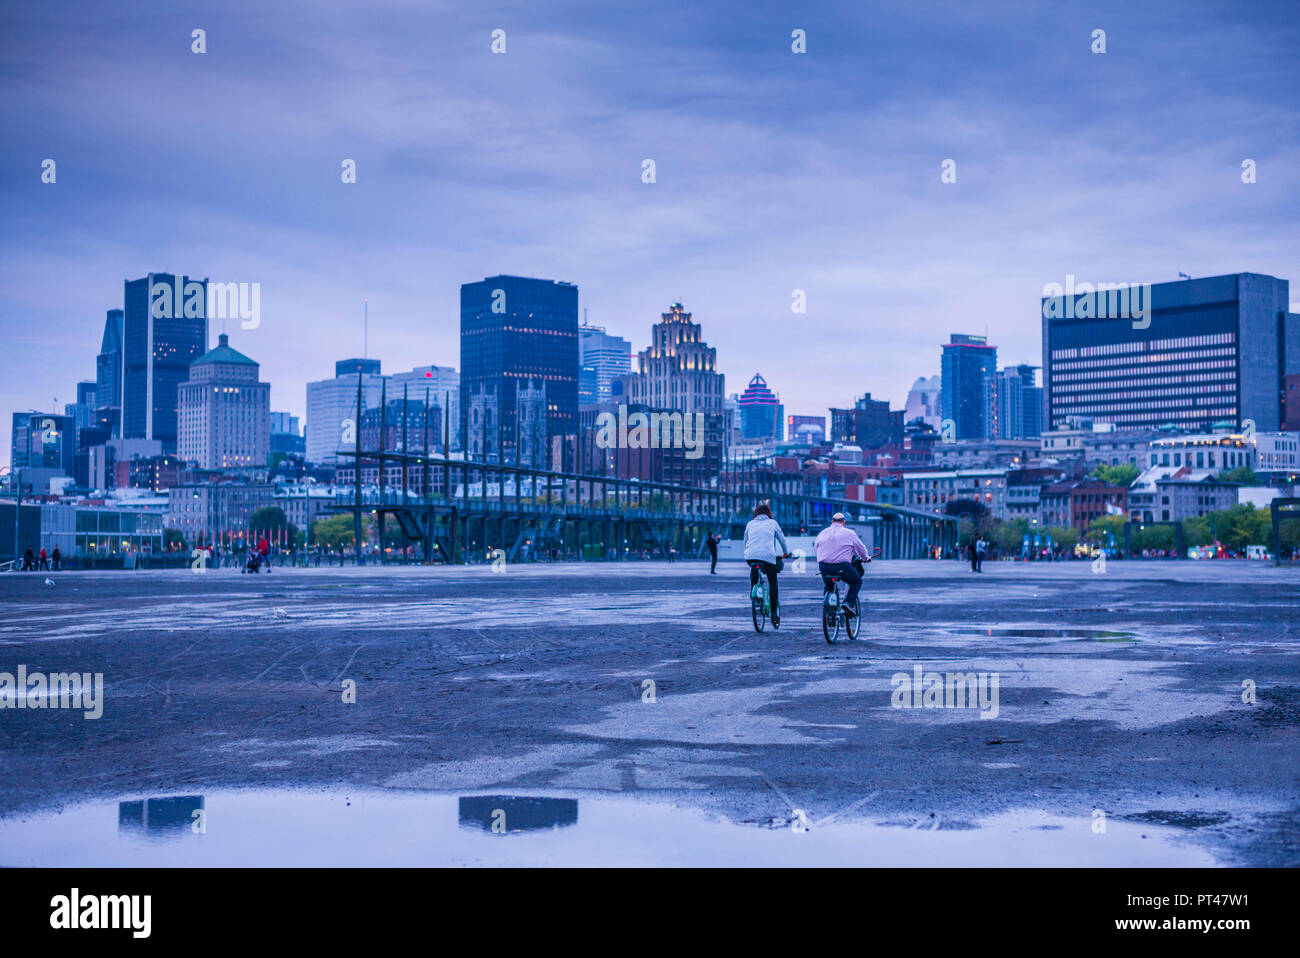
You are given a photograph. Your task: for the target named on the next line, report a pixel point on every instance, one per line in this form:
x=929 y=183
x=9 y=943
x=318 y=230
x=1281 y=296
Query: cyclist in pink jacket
x=837 y=546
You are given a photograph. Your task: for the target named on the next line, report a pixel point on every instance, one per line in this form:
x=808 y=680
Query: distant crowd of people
x=34 y=563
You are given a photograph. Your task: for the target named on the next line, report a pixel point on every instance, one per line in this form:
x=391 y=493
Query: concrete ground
x=1119 y=733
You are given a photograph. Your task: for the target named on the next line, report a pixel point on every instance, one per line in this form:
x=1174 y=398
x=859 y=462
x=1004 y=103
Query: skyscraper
x=108 y=371
x=1020 y=403
x=969 y=390
x=164 y=329
x=678 y=373
x=83 y=410
x=1207 y=351
x=517 y=334
x=923 y=402
x=761 y=412
x=607 y=355
x=43 y=442
x=332 y=414
x=442 y=385
x=283 y=423
x=224 y=411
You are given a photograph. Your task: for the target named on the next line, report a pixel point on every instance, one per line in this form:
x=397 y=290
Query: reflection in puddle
x=409 y=828
x=174 y=815
x=1014 y=633
x=507 y=813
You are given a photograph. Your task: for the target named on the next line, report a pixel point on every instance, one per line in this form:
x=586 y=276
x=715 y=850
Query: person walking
x=45 y=560
x=29 y=561
x=980 y=548
x=55 y=558
x=264 y=549
x=714 y=538
x=973 y=555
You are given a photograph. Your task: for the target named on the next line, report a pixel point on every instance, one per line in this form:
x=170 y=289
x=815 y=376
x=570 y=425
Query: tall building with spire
x=679 y=369
x=108 y=375
x=678 y=373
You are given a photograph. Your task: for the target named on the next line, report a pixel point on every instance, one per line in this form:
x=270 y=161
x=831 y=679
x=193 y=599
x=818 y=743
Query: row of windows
x=1113 y=349
x=1157 y=417
x=1219 y=381
x=938 y=498
x=1143 y=372
x=1175 y=356
x=1230 y=459
x=1149 y=399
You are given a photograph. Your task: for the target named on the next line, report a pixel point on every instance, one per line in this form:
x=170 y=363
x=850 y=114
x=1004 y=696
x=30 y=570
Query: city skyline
x=1123 y=166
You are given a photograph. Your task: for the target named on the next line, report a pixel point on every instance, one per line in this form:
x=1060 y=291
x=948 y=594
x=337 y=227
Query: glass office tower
x=1210 y=351
x=159 y=341
x=518 y=339
x=968 y=392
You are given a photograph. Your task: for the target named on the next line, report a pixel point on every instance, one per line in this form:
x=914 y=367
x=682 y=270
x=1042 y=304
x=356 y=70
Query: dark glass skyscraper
x=164 y=329
x=968 y=368
x=1208 y=351
x=108 y=364
x=518 y=338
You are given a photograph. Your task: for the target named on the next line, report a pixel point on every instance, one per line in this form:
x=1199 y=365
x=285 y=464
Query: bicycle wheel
x=756 y=608
x=853 y=624
x=830 y=622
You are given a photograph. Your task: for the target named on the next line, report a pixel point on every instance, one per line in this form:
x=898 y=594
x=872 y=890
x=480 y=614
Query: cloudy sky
x=776 y=171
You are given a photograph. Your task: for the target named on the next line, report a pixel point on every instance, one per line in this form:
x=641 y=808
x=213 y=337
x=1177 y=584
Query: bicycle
x=835 y=612
x=760 y=603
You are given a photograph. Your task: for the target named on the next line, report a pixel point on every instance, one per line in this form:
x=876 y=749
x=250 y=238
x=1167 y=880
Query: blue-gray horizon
x=775 y=171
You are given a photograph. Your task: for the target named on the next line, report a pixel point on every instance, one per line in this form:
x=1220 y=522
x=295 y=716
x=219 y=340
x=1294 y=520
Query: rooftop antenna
x=365 y=342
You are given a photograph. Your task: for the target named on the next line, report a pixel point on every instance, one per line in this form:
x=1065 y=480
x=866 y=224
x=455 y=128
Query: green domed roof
x=224 y=354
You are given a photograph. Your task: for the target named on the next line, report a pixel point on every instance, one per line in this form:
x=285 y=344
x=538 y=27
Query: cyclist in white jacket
x=762 y=537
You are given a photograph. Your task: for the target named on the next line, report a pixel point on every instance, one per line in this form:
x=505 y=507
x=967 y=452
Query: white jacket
x=762 y=535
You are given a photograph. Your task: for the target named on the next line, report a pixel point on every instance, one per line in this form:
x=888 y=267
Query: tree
x=1103 y=528
x=1010 y=535
x=1244 y=475
x=174 y=541
x=1067 y=537
x=1152 y=537
x=972 y=510
x=336 y=532
x=1121 y=475
x=1241 y=526
x=1197 y=532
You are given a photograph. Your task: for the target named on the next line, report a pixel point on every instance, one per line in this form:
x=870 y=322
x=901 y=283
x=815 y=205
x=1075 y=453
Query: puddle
x=397 y=828
x=1099 y=635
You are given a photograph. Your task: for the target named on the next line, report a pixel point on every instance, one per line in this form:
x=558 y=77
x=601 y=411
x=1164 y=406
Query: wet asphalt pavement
x=1117 y=732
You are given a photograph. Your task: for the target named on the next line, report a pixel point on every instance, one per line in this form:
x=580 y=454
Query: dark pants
x=769 y=569
x=713 y=558
x=845 y=571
